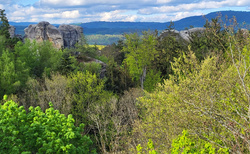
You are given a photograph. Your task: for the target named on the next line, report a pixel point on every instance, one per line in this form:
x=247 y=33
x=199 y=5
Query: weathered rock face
x=185 y=34
x=12 y=30
x=181 y=35
x=71 y=34
x=65 y=36
x=44 y=31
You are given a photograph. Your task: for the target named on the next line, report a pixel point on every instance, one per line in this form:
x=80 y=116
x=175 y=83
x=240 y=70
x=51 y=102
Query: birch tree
x=140 y=52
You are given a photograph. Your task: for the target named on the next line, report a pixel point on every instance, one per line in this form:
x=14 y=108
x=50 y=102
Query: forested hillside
x=106 y=33
x=149 y=94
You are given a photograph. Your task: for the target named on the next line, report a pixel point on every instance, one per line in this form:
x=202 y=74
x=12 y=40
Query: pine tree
x=4 y=25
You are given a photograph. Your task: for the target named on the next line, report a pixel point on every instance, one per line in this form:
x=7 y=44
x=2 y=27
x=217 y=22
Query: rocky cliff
x=65 y=36
x=181 y=35
x=12 y=30
x=71 y=34
x=44 y=31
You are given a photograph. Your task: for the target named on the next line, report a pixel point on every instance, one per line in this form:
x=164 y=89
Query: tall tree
x=7 y=73
x=13 y=73
x=140 y=52
x=39 y=58
x=4 y=25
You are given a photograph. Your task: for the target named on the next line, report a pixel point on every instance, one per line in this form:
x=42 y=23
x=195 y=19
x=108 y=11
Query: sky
x=82 y=11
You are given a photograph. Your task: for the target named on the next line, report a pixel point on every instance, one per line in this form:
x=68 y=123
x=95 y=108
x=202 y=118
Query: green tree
x=169 y=46
x=4 y=31
x=206 y=98
x=39 y=58
x=212 y=41
x=39 y=132
x=140 y=52
x=8 y=76
x=118 y=78
x=4 y=25
x=13 y=74
x=87 y=90
x=68 y=63
x=2 y=44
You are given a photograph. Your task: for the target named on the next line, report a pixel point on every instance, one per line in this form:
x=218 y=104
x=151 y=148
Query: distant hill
x=195 y=21
x=199 y=21
x=117 y=28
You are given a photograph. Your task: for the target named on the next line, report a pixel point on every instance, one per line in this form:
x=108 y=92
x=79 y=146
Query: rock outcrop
x=12 y=30
x=71 y=34
x=65 y=36
x=44 y=31
x=181 y=35
x=185 y=34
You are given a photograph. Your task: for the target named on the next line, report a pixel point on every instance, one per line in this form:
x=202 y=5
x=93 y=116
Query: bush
x=36 y=131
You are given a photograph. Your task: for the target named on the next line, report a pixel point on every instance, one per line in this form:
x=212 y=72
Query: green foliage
x=8 y=75
x=68 y=63
x=85 y=49
x=39 y=132
x=113 y=52
x=103 y=39
x=140 y=52
x=92 y=67
x=4 y=31
x=150 y=148
x=2 y=44
x=205 y=98
x=5 y=97
x=187 y=144
x=87 y=90
x=168 y=47
x=39 y=58
x=13 y=74
x=118 y=78
x=212 y=41
x=102 y=58
x=4 y=25
x=206 y=92
x=151 y=80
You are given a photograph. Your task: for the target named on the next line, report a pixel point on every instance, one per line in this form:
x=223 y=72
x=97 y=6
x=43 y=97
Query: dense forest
x=151 y=94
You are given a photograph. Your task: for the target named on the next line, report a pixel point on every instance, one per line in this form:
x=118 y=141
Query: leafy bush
x=186 y=144
x=36 y=131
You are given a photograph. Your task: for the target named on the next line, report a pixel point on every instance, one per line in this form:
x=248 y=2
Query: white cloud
x=65 y=15
x=1 y=6
x=180 y=15
x=66 y=11
x=117 y=16
x=71 y=14
x=162 y=1
x=243 y=3
x=184 y=7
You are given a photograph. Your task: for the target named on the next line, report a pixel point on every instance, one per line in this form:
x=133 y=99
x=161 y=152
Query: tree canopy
x=40 y=132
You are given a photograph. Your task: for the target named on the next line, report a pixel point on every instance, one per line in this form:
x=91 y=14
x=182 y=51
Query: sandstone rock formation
x=181 y=35
x=185 y=34
x=71 y=34
x=65 y=36
x=12 y=30
x=44 y=31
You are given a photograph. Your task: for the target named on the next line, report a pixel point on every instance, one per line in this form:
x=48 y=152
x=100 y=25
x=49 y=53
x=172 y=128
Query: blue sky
x=76 y=11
